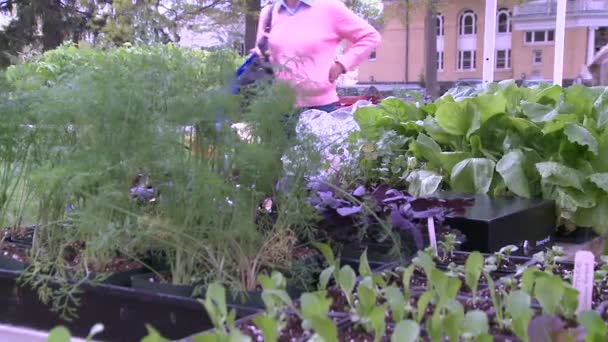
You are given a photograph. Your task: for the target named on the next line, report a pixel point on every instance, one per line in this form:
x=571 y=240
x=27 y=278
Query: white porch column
x=560 y=32
x=590 y=44
x=489 y=40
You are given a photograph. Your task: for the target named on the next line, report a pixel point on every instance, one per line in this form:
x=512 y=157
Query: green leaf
x=453 y=323
x=378 y=322
x=559 y=123
x=484 y=338
x=538 y=112
x=406 y=331
x=549 y=290
x=364 y=268
x=326 y=251
x=518 y=306
x=314 y=304
x=569 y=302
x=458 y=118
x=449 y=159
x=401 y=110
x=367 y=299
x=59 y=334
x=435 y=131
x=325 y=276
x=511 y=168
x=265 y=281
x=368 y=118
x=268 y=326
x=424 y=261
x=473 y=268
x=423 y=301
x=473 y=175
x=281 y=294
x=406 y=277
x=325 y=327
x=596 y=217
x=490 y=105
x=476 y=322
x=215 y=304
x=347 y=279
x=595 y=327
x=396 y=302
x=558 y=174
x=528 y=278
x=423 y=183
x=601 y=107
x=427 y=148
x=580 y=135
x=434 y=327
x=600 y=180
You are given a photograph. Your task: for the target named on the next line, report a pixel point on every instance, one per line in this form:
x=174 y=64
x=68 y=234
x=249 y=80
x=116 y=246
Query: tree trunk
x=251 y=23
x=430 y=48
x=52 y=25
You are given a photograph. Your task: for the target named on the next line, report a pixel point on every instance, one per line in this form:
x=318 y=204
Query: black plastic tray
x=494 y=222
x=123 y=311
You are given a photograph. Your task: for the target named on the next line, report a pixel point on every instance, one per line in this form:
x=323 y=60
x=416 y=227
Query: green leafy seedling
x=475 y=325
x=595 y=327
x=406 y=331
x=315 y=309
x=347 y=280
x=59 y=334
x=549 y=291
x=454 y=320
x=406 y=277
x=154 y=336
x=333 y=267
x=473 y=268
x=269 y=327
x=518 y=307
x=396 y=301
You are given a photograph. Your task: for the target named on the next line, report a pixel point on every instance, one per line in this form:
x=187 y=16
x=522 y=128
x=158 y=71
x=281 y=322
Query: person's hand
x=256 y=50
x=335 y=71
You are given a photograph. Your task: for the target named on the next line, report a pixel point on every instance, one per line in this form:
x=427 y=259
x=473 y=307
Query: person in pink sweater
x=302 y=45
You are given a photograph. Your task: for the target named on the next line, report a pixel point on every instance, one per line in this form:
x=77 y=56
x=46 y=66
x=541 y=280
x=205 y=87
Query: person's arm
x=364 y=37
x=261 y=22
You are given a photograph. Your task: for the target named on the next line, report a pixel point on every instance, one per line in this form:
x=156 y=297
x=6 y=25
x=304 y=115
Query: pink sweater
x=303 y=47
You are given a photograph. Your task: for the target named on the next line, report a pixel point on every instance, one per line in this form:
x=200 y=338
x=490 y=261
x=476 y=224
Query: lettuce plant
x=546 y=142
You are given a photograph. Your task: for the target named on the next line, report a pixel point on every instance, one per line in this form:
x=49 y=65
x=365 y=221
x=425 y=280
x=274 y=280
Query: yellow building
x=524 y=44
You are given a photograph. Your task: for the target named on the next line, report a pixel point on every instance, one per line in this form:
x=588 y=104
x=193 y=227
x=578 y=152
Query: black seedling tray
x=494 y=222
x=123 y=311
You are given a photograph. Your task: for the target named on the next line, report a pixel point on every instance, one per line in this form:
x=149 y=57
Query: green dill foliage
x=101 y=119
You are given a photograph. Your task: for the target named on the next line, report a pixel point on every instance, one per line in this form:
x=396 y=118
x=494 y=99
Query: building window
x=440 y=60
x=540 y=36
x=372 y=56
x=503 y=59
x=466 y=60
x=504 y=20
x=440 y=30
x=467 y=23
x=537 y=57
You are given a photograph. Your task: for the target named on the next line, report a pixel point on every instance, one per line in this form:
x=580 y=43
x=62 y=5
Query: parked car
x=535 y=83
x=350 y=95
x=406 y=92
x=474 y=83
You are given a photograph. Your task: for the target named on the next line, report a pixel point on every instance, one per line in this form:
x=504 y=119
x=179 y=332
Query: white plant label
x=432 y=236
x=583 y=278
